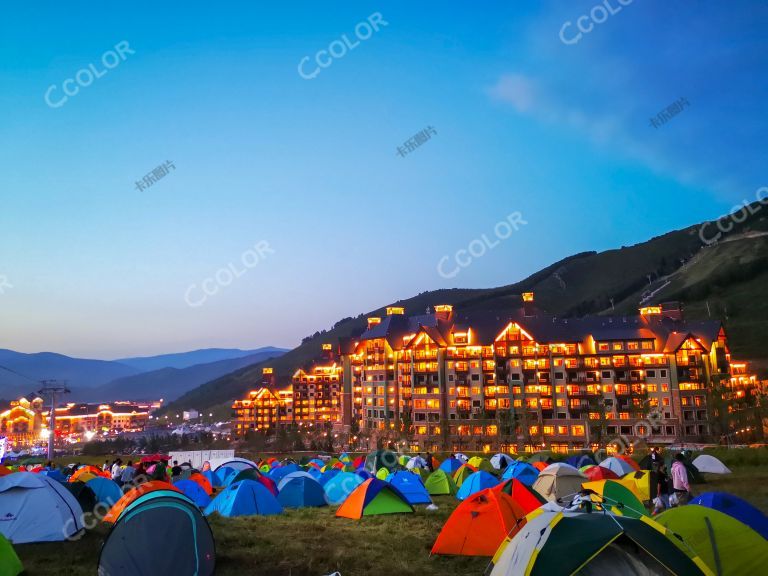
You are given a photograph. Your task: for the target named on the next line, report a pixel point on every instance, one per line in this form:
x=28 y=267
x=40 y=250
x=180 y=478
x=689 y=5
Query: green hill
x=727 y=280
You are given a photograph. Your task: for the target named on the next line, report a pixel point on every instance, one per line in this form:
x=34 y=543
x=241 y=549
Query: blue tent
x=737 y=508
x=581 y=460
x=213 y=478
x=301 y=492
x=411 y=486
x=245 y=498
x=315 y=473
x=340 y=486
x=327 y=475
x=476 y=482
x=55 y=474
x=105 y=490
x=522 y=472
x=194 y=492
x=450 y=465
x=225 y=473
x=281 y=472
x=364 y=474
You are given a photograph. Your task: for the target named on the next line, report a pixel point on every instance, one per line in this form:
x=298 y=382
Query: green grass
x=313 y=542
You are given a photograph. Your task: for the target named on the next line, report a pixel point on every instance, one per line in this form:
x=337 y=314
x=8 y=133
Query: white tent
x=710 y=465
x=416 y=462
x=501 y=460
x=35 y=508
x=463 y=457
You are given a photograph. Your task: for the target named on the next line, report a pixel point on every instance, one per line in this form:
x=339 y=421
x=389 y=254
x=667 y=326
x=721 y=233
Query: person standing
x=128 y=474
x=175 y=471
x=655 y=458
x=681 y=489
x=116 y=472
x=661 y=502
x=430 y=465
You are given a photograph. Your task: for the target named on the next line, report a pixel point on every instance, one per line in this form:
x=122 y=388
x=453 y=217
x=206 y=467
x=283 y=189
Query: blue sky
x=524 y=123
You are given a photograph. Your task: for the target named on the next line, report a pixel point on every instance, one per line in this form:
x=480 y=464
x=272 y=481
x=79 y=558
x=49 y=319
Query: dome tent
x=710 y=465
x=440 y=483
x=410 y=486
x=35 y=508
x=737 y=508
x=245 y=498
x=558 y=481
x=374 y=497
x=139 y=541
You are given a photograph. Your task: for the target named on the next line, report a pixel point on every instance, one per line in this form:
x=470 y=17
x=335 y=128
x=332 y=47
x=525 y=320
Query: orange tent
x=4 y=471
x=479 y=525
x=202 y=481
x=85 y=473
x=539 y=465
x=133 y=495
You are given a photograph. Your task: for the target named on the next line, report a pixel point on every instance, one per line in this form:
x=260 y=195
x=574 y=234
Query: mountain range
x=727 y=279
x=148 y=378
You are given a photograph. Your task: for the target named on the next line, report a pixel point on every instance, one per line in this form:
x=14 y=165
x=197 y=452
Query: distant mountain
x=726 y=280
x=170 y=383
x=20 y=373
x=193 y=358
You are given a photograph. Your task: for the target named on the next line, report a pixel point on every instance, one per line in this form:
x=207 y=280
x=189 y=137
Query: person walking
x=681 y=489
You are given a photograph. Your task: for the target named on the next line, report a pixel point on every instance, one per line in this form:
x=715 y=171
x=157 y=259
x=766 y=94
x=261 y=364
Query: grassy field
x=312 y=542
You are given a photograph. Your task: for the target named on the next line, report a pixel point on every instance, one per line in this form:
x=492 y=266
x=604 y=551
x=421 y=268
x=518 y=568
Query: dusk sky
x=518 y=121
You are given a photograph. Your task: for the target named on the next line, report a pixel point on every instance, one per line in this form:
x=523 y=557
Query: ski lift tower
x=52 y=389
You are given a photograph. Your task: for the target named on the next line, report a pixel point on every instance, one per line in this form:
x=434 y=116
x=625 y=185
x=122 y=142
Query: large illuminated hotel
x=522 y=380
x=25 y=421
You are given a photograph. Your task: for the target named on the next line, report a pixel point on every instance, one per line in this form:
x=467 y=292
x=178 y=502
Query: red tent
x=359 y=461
x=154 y=458
x=600 y=473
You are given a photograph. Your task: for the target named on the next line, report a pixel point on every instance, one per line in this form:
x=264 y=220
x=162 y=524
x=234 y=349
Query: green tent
x=543 y=456
x=617 y=498
x=403 y=460
x=10 y=565
x=422 y=473
x=462 y=474
x=726 y=545
x=439 y=483
x=382 y=473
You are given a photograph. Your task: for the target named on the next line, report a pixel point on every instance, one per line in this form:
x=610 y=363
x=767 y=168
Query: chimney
x=373 y=321
x=529 y=309
x=443 y=312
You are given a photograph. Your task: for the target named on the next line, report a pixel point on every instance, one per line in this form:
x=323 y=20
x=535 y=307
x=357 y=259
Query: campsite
x=269 y=516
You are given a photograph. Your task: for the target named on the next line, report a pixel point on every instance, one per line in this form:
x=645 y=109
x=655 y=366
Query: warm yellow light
x=527 y=296
x=391 y=310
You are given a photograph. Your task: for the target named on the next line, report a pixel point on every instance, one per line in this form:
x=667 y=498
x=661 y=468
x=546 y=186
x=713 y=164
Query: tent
x=4 y=471
x=616 y=497
x=415 y=462
x=105 y=490
x=521 y=471
x=194 y=492
x=475 y=483
x=278 y=474
x=254 y=474
x=381 y=459
x=544 y=456
x=10 y=565
x=85 y=473
x=500 y=460
x=212 y=477
x=481 y=464
x=245 y=498
x=726 y=545
x=735 y=507
x=236 y=463
x=450 y=465
x=525 y=496
x=618 y=466
x=371 y=498
x=461 y=456
x=203 y=481
x=410 y=486
x=300 y=490
x=710 y=465
x=382 y=473
x=463 y=473
x=479 y=524
x=325 y=476
x=600 y=473
x=553 y=541
x=340 y=486
x=34 y=508
x=224 y=474
x=140 y=540
x=640 y=484
x=580 y=460
x=133 y=494
x=83 y=494
x=439 y=483
x=558 y=482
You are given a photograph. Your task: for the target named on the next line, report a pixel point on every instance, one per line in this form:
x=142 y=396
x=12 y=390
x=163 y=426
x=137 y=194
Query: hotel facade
x=523 y=380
